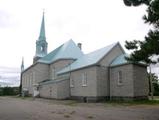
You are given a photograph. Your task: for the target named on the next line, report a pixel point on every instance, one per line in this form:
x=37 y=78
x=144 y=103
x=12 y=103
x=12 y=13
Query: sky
x=94 y=23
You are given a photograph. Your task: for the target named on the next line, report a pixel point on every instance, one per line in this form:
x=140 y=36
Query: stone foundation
x=121 y=98
x=88 y=99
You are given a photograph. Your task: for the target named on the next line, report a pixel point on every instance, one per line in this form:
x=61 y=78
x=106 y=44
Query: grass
x=107 y=103
x=71 y=103
x=156 y=97
x=129 y=103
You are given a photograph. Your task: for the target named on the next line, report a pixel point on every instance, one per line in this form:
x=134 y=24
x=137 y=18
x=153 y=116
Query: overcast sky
x=94 y=23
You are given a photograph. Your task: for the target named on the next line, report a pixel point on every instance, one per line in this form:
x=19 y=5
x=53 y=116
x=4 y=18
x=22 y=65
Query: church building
x=68 y=73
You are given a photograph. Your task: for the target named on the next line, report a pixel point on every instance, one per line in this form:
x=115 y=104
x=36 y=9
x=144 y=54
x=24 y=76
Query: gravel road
x=12 y=108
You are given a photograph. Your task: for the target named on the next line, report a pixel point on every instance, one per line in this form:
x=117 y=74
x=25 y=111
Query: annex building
x=68 y=73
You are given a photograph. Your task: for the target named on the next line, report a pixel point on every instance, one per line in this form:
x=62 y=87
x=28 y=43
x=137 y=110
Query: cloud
x=6 y=20
x=9 y=76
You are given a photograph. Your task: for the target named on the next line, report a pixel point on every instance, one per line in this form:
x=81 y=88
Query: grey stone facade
x=134 y=82
x=33 y=75
x=55 y=90
x=96 y=82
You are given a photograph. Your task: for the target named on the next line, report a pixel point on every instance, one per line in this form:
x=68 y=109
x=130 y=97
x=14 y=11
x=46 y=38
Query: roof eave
x=77 y=69
x=141 y=64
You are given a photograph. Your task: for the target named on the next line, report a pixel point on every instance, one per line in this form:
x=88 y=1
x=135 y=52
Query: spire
x=41 y=43
x=42 y=30
x=22 y=65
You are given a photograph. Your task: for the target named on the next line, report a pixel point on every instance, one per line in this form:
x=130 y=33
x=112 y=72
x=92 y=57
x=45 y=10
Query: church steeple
x=42 y=30
x=22 y=65
x=41 y=44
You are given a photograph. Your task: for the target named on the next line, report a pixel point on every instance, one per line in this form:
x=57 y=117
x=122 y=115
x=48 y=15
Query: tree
x=136 y=2
x=144 y=50
x=155 y=82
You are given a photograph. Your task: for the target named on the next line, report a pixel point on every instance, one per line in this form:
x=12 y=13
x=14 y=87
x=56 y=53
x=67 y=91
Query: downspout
x=70 y=79
x=109 y=78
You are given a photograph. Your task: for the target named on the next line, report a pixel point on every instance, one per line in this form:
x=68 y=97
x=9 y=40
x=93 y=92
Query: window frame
x=84 y=79
x=120 y=78
x=72 y=83
x=54 y=75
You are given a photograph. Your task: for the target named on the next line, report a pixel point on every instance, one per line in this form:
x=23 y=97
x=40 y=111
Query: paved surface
x=42 y=109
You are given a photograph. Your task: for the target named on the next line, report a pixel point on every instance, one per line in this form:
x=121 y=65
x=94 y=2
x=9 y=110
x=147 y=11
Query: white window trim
x=120 y=78
x=84 y=79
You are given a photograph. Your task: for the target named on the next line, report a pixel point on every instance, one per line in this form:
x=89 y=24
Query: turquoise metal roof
x=68 y=50
x=42 y=30
x=88 y=59
x=120 y=60
x=59 y=79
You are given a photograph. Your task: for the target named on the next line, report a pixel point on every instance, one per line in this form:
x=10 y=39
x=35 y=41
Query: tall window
x=72 y=82
x=26 y=80
x=84 y=79
x=33 y=78
x=120 y=82
x=53 y=73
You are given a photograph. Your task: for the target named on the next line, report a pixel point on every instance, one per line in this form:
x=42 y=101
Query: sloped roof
x=120 y=60
x=88 y=59
x=68 y=50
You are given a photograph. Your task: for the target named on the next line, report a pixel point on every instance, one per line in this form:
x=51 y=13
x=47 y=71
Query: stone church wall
x=141 y=84
x=58 y=65
x=33 y=75
x=133 y=84
x=55 y=90
x=90 y=89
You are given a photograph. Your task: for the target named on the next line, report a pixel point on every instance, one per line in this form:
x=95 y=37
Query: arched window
x=42 y=48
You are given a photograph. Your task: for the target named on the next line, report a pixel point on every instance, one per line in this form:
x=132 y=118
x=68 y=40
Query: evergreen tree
x=155 y=82
x=136 y=2
x=144 y=50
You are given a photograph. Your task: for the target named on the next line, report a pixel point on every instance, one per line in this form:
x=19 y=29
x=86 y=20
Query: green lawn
x=155 y=101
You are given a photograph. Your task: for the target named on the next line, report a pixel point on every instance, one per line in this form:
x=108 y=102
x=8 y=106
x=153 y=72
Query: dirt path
x=42 y=109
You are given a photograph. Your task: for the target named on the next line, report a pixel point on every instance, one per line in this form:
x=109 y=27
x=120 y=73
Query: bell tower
x=41 y=44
